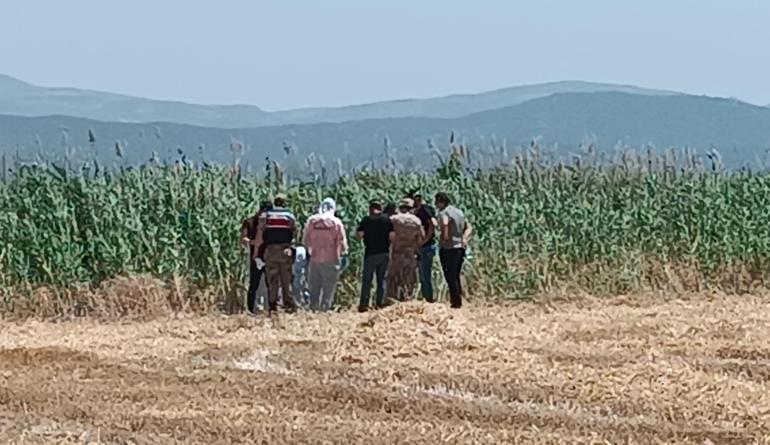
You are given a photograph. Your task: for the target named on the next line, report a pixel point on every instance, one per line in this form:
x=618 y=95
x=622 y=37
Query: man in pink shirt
x=326 y=243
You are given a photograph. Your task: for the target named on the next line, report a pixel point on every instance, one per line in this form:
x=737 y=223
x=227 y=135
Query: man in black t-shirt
x=376 y=230
x=428 y=250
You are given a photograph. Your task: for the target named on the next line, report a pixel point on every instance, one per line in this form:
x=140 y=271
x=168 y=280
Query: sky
x=282 y=54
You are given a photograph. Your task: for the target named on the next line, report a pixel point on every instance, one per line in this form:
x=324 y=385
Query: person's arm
x=257 y=241
x=391 y=231
x=431 y=229
x=293 y=228
x=420 y=238
x=444 y=223
x=467 y=234
x=307 y=236
x=343 y=238
x=432 y=223
x=360 y=231
x=245 y=235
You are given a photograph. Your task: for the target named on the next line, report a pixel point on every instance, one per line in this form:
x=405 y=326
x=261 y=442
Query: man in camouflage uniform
x=408 y=236
x=277 y=238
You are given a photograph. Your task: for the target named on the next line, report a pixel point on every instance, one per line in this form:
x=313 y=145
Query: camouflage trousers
x=402 y=275
x=279 y=271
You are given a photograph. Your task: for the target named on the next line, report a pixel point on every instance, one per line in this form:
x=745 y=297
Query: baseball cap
x=406 y=203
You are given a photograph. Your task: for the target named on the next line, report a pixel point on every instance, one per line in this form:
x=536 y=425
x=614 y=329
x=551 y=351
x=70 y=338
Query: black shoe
x=388 y=302
x=363 y=309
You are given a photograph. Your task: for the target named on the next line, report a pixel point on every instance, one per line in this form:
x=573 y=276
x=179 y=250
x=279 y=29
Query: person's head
x=279 y=200
x=442 y=201
x=264 y=206
x=375 y=208
x=405 y=206
x=328 y=205
x=390 y=209
x=418 y=202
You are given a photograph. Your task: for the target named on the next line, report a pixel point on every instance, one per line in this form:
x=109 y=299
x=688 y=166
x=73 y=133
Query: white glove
x=260 y=263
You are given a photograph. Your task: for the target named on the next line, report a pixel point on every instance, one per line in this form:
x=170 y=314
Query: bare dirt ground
x=628 y=370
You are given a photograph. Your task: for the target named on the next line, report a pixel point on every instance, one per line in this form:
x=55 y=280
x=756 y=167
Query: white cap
x=328 y=205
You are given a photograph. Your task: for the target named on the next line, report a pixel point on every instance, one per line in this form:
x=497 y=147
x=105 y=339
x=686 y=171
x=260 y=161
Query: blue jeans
x=427 y=253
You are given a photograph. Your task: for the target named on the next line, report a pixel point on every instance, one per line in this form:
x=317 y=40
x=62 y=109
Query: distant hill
x=740 y=131
x=22 y=99
x=457 y=105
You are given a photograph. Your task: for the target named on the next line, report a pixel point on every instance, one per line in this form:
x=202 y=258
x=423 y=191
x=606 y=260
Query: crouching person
x=326 y=243
x=299 y=286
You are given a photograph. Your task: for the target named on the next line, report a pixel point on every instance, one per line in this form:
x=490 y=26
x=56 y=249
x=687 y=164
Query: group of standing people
x=399 y=245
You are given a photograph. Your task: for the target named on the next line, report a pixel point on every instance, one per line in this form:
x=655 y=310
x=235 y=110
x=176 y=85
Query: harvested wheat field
x=627 y=370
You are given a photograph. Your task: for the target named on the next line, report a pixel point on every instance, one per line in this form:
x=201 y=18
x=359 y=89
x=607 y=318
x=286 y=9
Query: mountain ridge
x=740 y=131
x=457 y=105
x=23 y=99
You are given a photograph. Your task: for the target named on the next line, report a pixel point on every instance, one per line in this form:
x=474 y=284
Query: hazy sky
x=291 y=53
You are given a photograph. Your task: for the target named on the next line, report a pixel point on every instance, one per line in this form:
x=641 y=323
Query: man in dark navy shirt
x=427 y=252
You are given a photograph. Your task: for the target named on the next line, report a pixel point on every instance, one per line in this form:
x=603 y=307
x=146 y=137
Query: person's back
x=409 y=232
x=376 y=234
x=375 y=230
x=456 y=220
x=407 y=239
x=279 y=227
x=455 y=234
x=326 y=243
x=277 y=236
x=324 y=238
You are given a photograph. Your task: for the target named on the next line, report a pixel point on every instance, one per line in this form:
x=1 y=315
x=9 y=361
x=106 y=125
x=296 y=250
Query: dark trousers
x=255 y=276
x=452 y=264
x=374 y=265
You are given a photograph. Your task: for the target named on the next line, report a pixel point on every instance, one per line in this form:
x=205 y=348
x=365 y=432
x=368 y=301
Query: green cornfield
x=601 y=228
